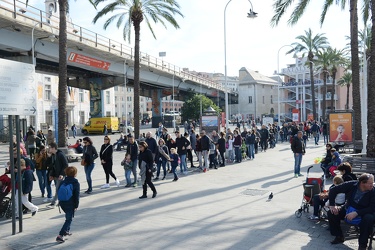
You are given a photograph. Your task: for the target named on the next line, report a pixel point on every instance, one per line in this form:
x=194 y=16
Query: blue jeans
x=174 y=172
x=251 y=150
x=88 y=171
x=316 y=138
x=163 y=164
x=237 y=151
x=127 y=176
x=69 y=214
x=297 y=163
x=183 y=166
x=134 y=170
x=325 y=138
x=74 y=133
x=43 y=182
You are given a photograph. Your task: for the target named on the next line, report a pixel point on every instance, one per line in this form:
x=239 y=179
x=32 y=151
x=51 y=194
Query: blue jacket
x=73 y=202
x=27 y=181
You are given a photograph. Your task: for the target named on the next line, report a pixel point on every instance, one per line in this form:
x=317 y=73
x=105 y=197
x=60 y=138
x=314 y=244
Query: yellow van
x=96 y=125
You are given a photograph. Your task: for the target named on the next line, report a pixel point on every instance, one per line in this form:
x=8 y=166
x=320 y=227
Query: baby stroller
x=5 y=202
x=311 y=187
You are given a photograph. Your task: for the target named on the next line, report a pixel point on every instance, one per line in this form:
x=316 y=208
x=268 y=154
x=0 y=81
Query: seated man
x=326 y=160
x=361 y=196
x=77 y=147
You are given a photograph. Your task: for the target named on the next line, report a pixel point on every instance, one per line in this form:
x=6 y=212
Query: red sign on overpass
x=89 y=61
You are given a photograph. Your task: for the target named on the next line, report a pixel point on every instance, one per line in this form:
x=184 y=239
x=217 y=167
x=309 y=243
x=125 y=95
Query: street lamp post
x=51 y=37
x=251 y=14
x=278 y=82
x=173 y=121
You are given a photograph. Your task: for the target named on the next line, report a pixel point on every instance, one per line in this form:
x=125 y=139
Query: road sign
x=18 y=93
x=89 y=61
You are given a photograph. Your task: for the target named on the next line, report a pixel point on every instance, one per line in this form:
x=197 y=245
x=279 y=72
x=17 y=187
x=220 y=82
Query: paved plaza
x=221 y=209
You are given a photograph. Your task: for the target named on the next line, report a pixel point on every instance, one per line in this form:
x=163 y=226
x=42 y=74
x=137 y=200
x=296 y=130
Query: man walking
x=315 y=129
x=57 y=163
x=152 y=144
x=205 y=146
x=181 y=144
x=298 y=149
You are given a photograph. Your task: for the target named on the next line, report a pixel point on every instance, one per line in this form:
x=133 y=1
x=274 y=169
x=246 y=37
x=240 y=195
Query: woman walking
x=106 y=158
x=161 y=158
x=89 y=156
x=41 y=171
x=145 y=163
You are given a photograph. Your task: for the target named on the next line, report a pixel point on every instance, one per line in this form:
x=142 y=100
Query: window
x=47 y=92
x=49 y=117
x=47 y=79
x=81 y=117
x=32 y=120
x=116 y=88
x=250 y=99
x=263 y=99
x=271 y=100
x=108 y=97
x=108 y=113
x=81 y=95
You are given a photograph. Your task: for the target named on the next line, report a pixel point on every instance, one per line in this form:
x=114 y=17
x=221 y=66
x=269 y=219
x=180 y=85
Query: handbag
x=354 y=221
x=83 y=163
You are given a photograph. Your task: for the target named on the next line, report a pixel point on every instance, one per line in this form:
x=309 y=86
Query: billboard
x=341 y=127
x=210 y=121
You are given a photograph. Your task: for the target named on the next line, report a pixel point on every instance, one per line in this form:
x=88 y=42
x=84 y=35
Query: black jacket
x=264 y=134
x=250 y=139
x=146 y=156
x=89 y=154
x=297 y=146
x=132 y=149
x=182 y=142
x=73 y=202
x=57 y=164
x=160 y=155
x=366 y=205
x=106 y=152
x=221 y=144
x=205 y=143
x=152 y=145
x=27 y=181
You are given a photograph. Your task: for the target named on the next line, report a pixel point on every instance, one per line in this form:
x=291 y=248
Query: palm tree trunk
x=355 y=69
x=312 y=90
x=63 y=74
x=333 y=92
x=347 y=96
x=371 y=92
x=324 y=93
x=137 y=29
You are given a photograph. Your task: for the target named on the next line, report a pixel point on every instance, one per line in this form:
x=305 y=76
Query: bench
x=70 y=154
x=351 y=147
x=360 y=163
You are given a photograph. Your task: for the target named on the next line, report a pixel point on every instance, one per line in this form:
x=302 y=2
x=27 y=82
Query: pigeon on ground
x=270 y=196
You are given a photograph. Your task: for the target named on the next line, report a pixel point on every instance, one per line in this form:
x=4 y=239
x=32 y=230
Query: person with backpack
x=57 y=163
x=68 y=195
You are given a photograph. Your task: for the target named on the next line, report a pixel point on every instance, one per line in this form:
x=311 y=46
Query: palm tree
x=134 y=12
x=280 y=8
x=337 y=59
x=322 y=63
x=311 y=45
x=371 y=92
x=346 y=80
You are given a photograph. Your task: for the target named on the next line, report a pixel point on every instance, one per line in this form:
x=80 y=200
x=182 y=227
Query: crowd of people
x=151 y=158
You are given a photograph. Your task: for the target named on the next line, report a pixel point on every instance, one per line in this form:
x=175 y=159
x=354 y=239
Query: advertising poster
x=223 y=119
x=295 y=115
x=341 y=127
x=210 y=121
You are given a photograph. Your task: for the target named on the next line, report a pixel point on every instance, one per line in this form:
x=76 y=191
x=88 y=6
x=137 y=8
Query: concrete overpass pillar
x=156 y=96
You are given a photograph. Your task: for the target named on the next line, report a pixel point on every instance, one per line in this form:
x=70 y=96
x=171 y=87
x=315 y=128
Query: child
x=128 y=166
x=213 y=155
x=335 y=162
x=256 y=145
x=27 y=187
x=230 y=148
x=174 y=159
x=71 y=205
x=322 y=198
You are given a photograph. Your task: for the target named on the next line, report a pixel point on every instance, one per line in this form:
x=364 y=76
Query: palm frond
x=280 y=7
x=298 y=12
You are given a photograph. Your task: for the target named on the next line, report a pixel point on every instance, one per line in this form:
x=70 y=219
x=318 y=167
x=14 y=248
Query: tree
x=322 y=63
x=133 y=12
x=311 y=45
x=371 y=92
x=336 y=59
x=346 y=80
x=191 y=107
x=280 y=7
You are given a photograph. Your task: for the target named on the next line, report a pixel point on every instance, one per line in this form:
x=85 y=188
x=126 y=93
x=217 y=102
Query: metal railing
x=30 y=15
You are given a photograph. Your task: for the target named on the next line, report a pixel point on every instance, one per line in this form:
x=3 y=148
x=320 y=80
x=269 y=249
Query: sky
x=199 y=43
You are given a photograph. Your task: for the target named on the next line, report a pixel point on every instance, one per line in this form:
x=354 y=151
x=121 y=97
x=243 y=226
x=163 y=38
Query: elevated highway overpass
x=93 y=58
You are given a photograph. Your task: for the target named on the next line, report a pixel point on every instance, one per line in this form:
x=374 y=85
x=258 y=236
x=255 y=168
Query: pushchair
x=5 y=202
x=311 y=187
